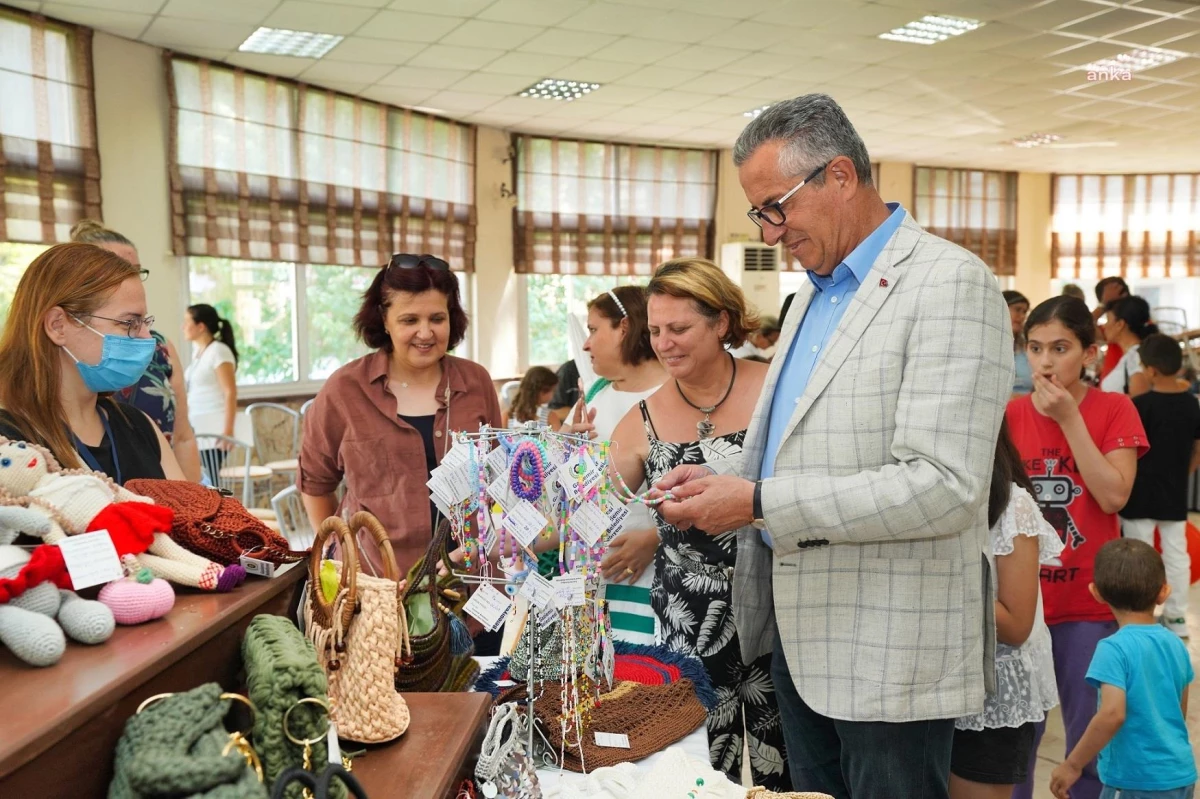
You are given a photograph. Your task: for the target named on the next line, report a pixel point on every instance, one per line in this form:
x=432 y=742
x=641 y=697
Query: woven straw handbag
x=361 y=635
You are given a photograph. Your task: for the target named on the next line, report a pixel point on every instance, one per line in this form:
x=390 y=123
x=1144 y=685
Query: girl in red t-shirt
x=1080 y=446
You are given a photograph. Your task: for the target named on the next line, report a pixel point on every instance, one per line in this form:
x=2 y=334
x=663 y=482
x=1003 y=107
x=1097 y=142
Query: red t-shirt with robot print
x=1065 y=501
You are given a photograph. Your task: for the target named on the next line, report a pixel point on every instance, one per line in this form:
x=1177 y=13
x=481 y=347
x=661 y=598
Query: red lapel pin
x=883 y=282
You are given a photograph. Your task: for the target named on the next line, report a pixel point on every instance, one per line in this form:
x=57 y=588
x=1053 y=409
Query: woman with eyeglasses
x=381 y=423
x=211 y=380
x=160 y=392
x=77 y=332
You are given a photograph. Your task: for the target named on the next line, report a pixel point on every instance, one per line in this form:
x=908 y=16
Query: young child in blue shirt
x=1142 y=672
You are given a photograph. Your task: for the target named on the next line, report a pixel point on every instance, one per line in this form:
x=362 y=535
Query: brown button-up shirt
x=353 y=431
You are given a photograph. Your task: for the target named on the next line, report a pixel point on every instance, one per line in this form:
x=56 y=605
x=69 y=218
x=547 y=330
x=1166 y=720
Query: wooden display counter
x=60 y=725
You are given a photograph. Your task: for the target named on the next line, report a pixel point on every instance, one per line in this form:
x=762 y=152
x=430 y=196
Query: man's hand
x=680 y=475
x=1062 y=778
x=714 y=504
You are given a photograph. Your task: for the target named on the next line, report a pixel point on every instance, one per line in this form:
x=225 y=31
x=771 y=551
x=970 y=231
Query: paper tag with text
x=547 y=616
x=524 y=522
x=538 y=590
x=488 y=606
x=579 y=475
x=501 y=492
x=568 y=589
x=613 y=740
x=589 y=522
x=497 y=462
x=617 y=513
x=91 y=559
x=262 y=568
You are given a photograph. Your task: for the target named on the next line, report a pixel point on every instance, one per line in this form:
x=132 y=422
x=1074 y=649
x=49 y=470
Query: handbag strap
x=337 y=771
x=293 y=774
x=334 y=526
x=367 y=521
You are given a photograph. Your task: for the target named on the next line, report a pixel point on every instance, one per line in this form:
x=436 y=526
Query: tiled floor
x=1052 y=750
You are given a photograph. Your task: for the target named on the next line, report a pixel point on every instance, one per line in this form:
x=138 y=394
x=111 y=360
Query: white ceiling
x=683 y=71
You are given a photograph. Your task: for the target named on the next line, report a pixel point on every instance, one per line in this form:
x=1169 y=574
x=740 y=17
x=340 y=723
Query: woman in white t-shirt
x=1127 y=323
x=211 y=382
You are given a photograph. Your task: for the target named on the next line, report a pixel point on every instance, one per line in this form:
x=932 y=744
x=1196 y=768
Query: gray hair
x=89 y=231
x=814 y=129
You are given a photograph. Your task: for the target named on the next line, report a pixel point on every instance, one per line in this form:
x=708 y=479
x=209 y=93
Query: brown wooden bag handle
x=364 y=520
x=334 y=526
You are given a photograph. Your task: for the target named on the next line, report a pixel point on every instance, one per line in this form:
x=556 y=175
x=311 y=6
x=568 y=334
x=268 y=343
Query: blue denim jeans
x=1108 y=792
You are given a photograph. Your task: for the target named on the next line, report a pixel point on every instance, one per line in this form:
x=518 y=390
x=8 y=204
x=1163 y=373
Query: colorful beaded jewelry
x=527 y=475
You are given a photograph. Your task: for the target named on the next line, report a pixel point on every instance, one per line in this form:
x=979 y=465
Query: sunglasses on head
x=408 y=261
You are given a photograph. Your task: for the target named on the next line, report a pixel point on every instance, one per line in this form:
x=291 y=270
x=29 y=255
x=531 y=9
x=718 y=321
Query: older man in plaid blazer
x=862 y=553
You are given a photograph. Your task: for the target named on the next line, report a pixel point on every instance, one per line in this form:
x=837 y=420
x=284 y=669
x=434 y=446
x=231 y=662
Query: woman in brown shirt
x=384 y=421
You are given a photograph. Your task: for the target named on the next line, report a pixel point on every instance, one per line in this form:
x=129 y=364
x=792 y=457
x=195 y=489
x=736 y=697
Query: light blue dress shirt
x=833 y=293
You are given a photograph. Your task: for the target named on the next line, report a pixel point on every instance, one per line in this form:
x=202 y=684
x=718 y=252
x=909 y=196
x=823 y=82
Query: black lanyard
x=90 y=459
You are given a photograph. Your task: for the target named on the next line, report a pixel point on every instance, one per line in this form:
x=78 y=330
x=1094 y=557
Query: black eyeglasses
x=772 y=213
x=132 y=326
x=407 y=261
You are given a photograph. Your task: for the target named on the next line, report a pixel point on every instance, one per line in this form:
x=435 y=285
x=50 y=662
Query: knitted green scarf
x=173 y=749
x=281 y=668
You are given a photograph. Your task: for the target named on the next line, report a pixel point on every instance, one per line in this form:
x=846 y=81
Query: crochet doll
x=34 y=610
x=79 y=501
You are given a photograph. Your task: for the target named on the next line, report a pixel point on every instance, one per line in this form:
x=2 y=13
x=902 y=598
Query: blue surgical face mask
x=123 y=361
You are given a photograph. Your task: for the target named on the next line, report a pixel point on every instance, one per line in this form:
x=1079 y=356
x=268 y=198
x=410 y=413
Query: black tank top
x=137 y=444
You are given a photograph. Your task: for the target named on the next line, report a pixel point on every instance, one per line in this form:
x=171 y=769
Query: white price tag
x=524 y=522
x=456 y=457
x=547 y=616
x=501 y=492
x=91 y=559
x=538 y=590
x=488 y=606
x=262 y=568
x=335 y=748
x=617 y=513
x=612 y=740
x=498 y=462
x=589 y=522
x=568 y=590
x=579 y=475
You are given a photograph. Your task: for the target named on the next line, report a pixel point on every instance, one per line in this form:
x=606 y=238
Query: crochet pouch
x=214 y=525
x=178 y=747
x=441 y=646
x=359 y=628
x=281 y=669
x=504 y=767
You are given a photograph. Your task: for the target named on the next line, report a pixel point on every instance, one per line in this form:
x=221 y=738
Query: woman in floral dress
x=700 y=415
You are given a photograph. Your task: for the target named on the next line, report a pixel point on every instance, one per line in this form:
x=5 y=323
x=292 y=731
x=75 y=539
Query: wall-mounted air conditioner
x=755 y=267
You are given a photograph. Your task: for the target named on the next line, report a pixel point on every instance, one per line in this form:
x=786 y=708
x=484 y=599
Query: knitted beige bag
x=762 y=793
x=360 y=636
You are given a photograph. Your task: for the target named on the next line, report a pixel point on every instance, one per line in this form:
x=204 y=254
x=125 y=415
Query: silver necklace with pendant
x=705 y=428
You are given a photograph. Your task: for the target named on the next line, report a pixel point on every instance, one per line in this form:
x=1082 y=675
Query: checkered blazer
x=879 y=580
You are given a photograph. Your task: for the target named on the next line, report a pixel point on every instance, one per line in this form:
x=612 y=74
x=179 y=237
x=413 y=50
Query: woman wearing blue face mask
x=77 y=331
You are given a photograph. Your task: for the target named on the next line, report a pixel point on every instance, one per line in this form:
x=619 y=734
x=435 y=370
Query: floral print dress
x=152 y=395
x=692 y=595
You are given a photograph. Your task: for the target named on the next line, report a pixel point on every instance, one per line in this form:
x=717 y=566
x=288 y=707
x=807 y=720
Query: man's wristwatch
x=758 y=522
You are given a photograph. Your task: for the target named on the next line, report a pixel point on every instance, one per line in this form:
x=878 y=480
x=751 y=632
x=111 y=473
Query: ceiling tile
x=408 y=27
x=449 y=8
x=658 y=77
x=754 y=36
x=299 y=15
x=443 y=56
x=720 y=83
x=374 y=51
x=532 y=12
x=641 y=115
x=585 y=108
x=563 y=42
x=678 y=100
x=519 y=106
x=27 y=5
x=349 y=71
x=178 y=32
x=613 y=19
x=1159 y=33
x=482 y=33
x=117 y=23
x=681 y=26
x=730 y=106
x=128 y=6
x=518 y=63
x=601 y=128
x=702 y=57
x=1110 y=23
x=491 y=83
x=728 y=10
x=1087 y=54
x=632 y=50
x=594 y=70
x=1188 y=44
x=254 y=11
x=625 y=95
x=346 y=87
x=1038 y=45
x=695 y=119
x=656 y=133
x=281 y=65
x=1165 y=6
x=395 y=95
x=423 y=78
x=1184 y=69
x=460 y=101
x=809 y=13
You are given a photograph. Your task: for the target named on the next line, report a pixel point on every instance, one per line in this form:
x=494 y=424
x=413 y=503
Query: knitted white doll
x=78 y=501
x=34 y=611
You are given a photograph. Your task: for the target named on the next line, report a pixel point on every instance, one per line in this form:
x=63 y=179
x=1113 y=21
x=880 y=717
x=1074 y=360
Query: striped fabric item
x=633 y=619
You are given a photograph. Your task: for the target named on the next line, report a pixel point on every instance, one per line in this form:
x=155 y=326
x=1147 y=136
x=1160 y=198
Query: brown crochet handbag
x=434 y=665
x=214 y=525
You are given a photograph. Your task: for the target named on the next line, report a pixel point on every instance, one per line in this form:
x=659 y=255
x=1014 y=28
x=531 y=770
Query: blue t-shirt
x=1151 y=751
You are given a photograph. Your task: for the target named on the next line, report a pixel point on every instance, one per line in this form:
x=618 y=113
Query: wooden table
x=60 y=725
x=431 y=759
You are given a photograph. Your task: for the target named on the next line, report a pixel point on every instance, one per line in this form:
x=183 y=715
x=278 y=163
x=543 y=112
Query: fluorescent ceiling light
x=1135 y=60
x=753 y=112
x=1035 y=140
x=931 y=29
x=301 y=44
x=556 y=89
